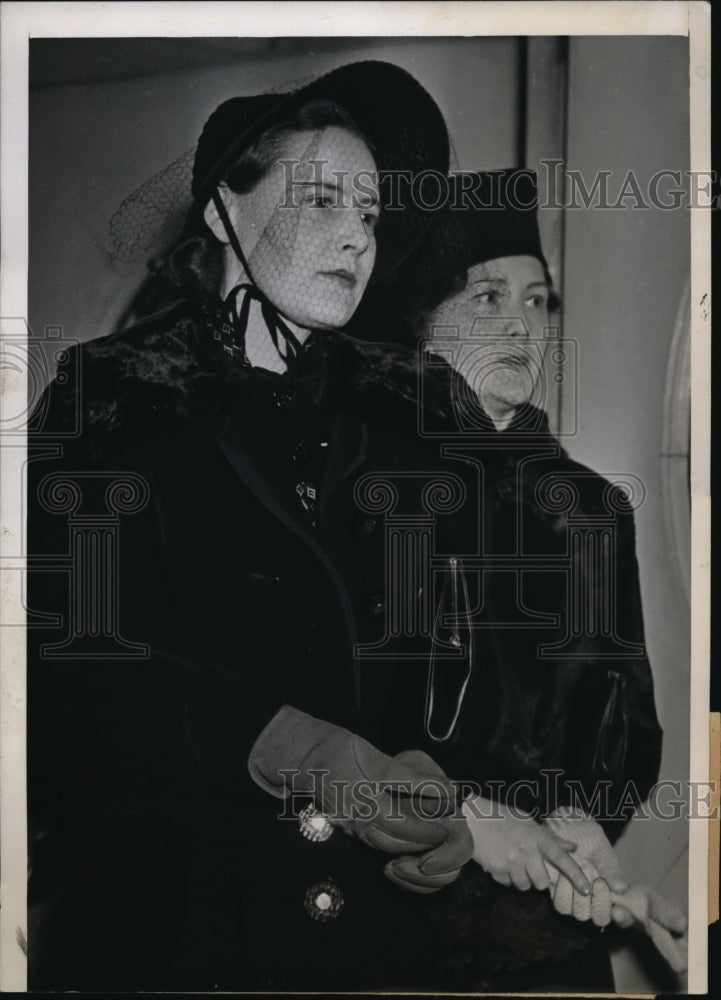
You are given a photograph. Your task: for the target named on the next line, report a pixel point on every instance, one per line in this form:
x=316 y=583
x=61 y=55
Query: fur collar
x=168 y=371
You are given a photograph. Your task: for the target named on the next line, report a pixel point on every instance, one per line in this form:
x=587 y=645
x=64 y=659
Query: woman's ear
x=212 y=219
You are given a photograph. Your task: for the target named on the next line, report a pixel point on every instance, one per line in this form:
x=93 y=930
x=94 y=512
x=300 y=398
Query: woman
x=221 y=434
x=556 y=718
x=537 y=505
x=242 y=425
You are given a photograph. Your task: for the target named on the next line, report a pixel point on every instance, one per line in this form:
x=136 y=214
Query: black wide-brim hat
x=399 y=118
x=402 y=123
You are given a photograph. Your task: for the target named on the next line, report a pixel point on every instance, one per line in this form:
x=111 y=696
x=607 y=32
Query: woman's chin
x=331 y=320
x=317 y=315
x=503 y=409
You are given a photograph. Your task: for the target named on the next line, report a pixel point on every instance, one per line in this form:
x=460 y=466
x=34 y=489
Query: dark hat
x=483 y=215
x=400 y=120
x=230 y=129
x=495 y=214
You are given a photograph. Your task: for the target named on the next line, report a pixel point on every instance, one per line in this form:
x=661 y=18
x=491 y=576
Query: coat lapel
x=347 y=451
x=270 y=497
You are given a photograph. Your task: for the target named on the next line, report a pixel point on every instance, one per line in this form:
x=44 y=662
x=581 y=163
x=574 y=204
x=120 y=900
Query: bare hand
x=514 y=849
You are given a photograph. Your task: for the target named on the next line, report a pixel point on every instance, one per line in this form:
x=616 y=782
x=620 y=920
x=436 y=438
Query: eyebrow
x=333 y=186
x=370 y=199
x=504 y=281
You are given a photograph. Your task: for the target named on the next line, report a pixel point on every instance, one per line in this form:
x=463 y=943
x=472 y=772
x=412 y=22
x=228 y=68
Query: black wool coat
x=157 y=863
x=561 y=699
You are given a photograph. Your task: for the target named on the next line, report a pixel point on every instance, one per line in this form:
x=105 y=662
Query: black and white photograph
x=355 y=388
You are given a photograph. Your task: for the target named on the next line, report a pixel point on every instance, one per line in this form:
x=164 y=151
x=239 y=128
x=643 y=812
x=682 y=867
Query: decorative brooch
x=315 y=825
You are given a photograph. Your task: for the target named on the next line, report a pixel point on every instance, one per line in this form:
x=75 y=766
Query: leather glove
x=403 y=805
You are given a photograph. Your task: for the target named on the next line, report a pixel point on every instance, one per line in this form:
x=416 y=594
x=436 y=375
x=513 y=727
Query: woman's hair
x=397 y=309
x=196 y=265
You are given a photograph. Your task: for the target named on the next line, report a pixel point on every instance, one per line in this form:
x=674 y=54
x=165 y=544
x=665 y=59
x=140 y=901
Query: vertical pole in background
x=542 y=146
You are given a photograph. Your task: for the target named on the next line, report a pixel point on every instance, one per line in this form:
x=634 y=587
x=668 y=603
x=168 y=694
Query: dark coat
x=162 y=863
x=562 y=679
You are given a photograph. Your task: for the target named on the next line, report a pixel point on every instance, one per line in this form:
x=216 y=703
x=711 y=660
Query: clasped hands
x=403 y=805
x=570 y=856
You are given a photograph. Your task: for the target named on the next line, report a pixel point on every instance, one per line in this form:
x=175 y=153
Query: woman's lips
x=347 y=277
x=516 y=362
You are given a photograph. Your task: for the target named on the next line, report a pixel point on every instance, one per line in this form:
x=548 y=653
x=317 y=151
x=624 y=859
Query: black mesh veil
x=149 y=221
x=401 y=121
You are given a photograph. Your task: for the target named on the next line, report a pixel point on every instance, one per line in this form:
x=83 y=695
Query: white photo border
x=22 y=21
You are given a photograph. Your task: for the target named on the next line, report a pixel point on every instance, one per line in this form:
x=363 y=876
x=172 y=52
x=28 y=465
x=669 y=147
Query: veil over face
x=402 y=123
x=307 y=227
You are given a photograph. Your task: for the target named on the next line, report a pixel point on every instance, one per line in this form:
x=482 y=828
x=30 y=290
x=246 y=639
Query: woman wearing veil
x=206 y=683
x=192 y=754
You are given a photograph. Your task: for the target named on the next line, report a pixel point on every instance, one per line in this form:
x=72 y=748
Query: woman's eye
x=490 y=298
x=321 y=201
x=369 y=219
x=537 y=301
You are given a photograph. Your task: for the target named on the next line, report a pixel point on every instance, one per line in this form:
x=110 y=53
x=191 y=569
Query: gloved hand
x=599 y=863
x=659 y=918
x=403 y=805
x=612 y=898
x=515 y=850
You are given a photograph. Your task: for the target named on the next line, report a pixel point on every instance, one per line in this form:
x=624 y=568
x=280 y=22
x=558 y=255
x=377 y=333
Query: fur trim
x=168 y=371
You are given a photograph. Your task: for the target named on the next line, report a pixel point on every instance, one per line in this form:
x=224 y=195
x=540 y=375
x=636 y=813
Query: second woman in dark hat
x=556 y=718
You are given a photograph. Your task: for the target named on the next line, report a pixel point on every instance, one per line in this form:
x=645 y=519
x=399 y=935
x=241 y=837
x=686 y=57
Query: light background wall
x=93 y=143
x=625 y=273
x=131 y=108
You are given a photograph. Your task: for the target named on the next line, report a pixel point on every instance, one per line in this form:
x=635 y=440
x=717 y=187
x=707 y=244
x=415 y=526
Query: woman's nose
x=516 y=328
x=353 y=233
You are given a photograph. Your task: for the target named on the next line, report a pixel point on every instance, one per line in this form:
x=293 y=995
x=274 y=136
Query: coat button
x=377 y=605
x=324 y=901
x=283 y=397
